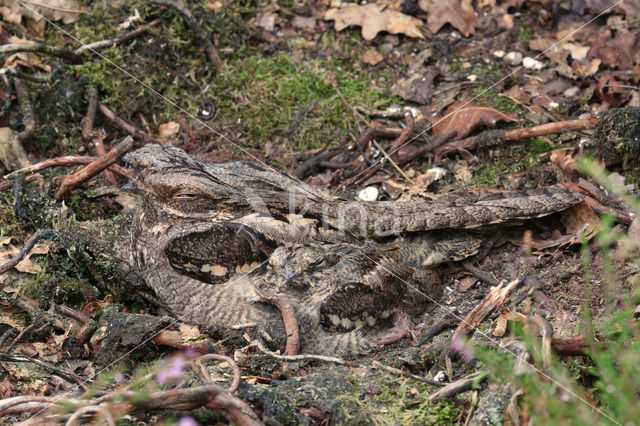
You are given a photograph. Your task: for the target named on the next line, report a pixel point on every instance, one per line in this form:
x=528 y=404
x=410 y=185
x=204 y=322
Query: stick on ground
x=94 y=168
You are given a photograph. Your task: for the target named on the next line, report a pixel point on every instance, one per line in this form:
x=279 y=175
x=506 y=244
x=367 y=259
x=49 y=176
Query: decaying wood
x=492 y=301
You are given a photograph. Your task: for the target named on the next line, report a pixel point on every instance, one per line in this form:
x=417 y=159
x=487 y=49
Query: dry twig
x=28 y=120
x=119 y=39
x=129 y=128
x=42 y=234
x=201 y=370
x=41 y=48
x=94 y=168
x=474 y=318
x=174 y=339
x=403 y=373
x=65 y=162
x=460 y=385
x=494 y=137
x=290 y=323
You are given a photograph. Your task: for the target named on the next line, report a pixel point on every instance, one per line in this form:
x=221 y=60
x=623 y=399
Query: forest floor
x=387 y=100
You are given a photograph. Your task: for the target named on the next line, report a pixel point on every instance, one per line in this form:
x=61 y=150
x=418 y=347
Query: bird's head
x=176 y=186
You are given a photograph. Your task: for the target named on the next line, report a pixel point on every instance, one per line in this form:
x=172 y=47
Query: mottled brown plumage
x=344 y=295
x=204 y=233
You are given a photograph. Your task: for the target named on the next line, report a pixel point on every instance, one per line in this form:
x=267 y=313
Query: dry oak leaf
x=442 y=12
x=25 y=265
x=464 y=118
x=25 y=59
x=620 y=51
x=580 y=221
x=372 y=57
x=374 y=18
x=67 y=11
x=167 y=130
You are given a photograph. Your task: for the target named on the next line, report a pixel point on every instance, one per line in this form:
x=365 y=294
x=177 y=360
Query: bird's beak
x=132 y=187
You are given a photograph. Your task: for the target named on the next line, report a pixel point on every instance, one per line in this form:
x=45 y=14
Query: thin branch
x=64 y=374
x=75 y=417
x=88 y=134
x=494 y=137
x=127 y=127
x=71 y=181
x=458 y=386
x=88 y=120
x=393 y=163
x=41 y=48
x=118 y=39
x=290 y=323
x=204 y=375
x=42 y=234
x=28 y=120
x=66 y=162
x=36 y=78
x=174 y=339
x=303 y=357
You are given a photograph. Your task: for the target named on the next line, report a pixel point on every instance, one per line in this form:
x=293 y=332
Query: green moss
x=486 y=96
x=489 y=173
x=525 y=32
x=386 y=399
x=60 y=288
x=283 y=100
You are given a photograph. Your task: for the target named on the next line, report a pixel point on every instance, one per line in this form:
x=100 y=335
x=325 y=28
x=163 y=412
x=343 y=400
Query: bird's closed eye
x=185 y=196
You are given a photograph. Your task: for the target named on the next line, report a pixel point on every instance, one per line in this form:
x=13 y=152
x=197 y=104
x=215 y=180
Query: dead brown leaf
x=465 y=117
x=25 y=59
x=67 y=11
x=189 y=332
x=423 y=181
x=167 y=130
x=442 y=12
x=392 y=188
x=579 y=220
x=372 y=57
x=374 y=18
x=619 y=52
x=612 y=92
x=465 y=284
x=25 y=265
x=417 y=88
x=304 y=22
x=571 y=57
x=517 y=94
x=214 y=4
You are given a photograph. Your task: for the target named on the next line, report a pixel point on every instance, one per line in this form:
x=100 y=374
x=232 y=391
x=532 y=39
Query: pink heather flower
x=187 y=421
x=119 y=378
x=174 y=371
x=460 y=346
x=190 y=352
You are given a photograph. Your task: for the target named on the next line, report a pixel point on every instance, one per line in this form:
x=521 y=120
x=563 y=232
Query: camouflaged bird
x=204 y=232
x=344 y=296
